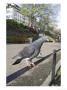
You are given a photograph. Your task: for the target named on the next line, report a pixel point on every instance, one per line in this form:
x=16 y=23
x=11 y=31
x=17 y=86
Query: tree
x=43 y=12
x=29 y=11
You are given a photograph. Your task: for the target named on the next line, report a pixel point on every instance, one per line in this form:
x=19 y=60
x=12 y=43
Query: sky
x=59 y=20
x=57 y=9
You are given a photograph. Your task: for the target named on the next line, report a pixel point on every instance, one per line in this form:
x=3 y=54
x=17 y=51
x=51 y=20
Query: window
x=8 y=17
x=7 y=11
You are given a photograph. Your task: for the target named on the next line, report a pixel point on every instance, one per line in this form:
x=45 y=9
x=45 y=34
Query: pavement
x=36 y=75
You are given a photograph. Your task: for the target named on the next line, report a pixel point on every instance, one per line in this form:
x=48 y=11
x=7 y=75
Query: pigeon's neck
x=39 y=42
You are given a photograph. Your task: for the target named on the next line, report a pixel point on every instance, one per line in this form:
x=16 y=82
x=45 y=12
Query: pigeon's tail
x=17 y=61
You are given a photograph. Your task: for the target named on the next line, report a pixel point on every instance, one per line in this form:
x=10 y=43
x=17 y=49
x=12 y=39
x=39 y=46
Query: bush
x=50 y=34
x=17 y=32
x=16 y=39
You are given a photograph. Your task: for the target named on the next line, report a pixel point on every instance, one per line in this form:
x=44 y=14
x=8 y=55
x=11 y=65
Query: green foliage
x=53 y=35
x=12 y=24
x=43 y=11
x=17 y=32
x=16 y=39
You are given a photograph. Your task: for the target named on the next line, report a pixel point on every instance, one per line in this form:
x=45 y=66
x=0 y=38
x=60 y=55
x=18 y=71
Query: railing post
x=53 y=66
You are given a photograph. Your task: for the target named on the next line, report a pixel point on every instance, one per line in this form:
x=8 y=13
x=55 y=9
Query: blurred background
x=26 y=22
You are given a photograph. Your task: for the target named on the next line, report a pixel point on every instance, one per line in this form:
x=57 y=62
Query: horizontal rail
x=23 y=70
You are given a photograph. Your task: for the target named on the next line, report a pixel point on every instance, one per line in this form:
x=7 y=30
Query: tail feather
x=17 y=62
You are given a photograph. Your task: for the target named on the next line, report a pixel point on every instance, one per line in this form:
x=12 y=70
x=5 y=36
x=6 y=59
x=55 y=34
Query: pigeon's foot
x=32 y=64
x=28 y=66
x=28 y=62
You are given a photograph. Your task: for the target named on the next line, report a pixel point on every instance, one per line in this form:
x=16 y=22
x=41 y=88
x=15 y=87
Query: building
x=13 y=12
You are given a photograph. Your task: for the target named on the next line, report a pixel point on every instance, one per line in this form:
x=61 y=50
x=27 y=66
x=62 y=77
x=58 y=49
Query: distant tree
x=40 y=15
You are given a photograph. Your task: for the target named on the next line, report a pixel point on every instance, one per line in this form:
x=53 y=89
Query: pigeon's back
x=38 y=43
x=27 y=51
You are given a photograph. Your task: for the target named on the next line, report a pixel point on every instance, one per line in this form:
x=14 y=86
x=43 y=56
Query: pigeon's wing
x=27 y=51
x=35 y=54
